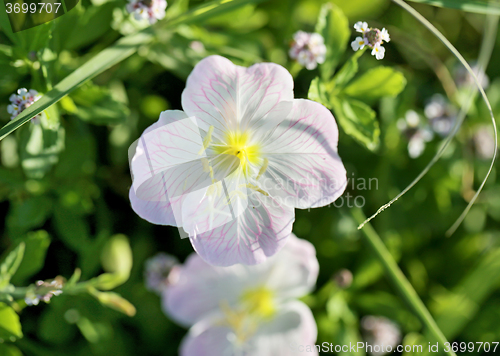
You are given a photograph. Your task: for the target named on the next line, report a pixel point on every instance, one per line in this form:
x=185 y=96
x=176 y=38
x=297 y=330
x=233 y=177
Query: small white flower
x=418 y=134
x=361 y=27
x=378 y=51
x=372 y=37
x=151 y=10
x=384 y=34
x=308 y=49
x=22 y=100
x=382 y=332
x=359 y=43
x=159 y=272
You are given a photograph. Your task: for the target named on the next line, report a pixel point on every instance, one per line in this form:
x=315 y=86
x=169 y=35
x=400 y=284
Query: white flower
x=418 y=134
x=359 y=43
x=484 y=142
x=378 y=51
x=151 y=10
x=382 y=332
x=308 y=49
x=160 y=272
x=22 y=100
x=372 y=37
x=231 y=168
x=361 y=27
x=384 y=35
x=242 y=310
x=441 y=114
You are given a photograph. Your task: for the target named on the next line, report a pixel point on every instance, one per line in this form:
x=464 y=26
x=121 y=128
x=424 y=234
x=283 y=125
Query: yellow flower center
x=238 y=144
x=259 y=302
x=255 y=305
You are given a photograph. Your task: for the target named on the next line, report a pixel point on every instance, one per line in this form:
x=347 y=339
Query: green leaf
x=37 y=244
x=333 y=25
x=376 y=83
x=10 y=264
x=358 y=121
x=9 y=350
x=71 y=228
x=318 y=92
x=114 y=54
x=97 y=105
x=35 y=38
x=454 y=309
x=10 y=326
x=28 y=214
x=39 y=149
x=348 y=70
x=478 y=6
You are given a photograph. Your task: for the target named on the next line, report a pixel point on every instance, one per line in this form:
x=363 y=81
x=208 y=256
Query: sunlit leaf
x=480 y=6
x=10 y=326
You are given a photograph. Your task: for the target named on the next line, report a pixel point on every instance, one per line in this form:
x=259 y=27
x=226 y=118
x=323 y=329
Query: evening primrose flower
x=231 y=168
x=242 y=310
x=22 y=100
x=151 y=10
x=308 y=49
x=372 y=37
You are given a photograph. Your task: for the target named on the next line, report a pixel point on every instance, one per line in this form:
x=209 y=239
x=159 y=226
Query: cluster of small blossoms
x=380 y=331
x=151 y=10
x=441 y=115
x=54 y=288
x=372 y=37
x=22 y=100
x=417 y=133
x=160 y=272
x=308 y=49
x=463 y=79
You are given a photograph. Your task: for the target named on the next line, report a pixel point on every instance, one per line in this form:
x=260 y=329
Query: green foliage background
x=64 y=184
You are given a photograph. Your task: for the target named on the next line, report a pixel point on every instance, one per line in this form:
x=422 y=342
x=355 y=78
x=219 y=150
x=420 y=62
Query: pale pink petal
x=286 y=334
x=200 y=287
x=294 y=270
x=231 y=97
x=166 y=165
x=304 y=168
x=258 y=233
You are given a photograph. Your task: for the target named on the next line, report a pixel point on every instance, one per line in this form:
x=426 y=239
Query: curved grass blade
x=114 y=54
x=478 y=6
x=485 y=55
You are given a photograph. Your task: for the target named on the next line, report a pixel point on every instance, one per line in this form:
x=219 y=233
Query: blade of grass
x=478 y=6
x=485 y=54
x=399 y=280
x=122 y=49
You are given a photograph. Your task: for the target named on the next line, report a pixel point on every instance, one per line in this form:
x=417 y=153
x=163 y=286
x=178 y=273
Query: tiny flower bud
x=343 y=278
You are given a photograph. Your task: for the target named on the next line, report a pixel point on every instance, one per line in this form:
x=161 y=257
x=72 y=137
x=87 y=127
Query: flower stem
x=398 y=278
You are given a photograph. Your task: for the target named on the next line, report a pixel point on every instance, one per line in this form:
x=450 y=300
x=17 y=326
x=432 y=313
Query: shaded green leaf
x=28 y=214
x=358 y=121
x=376 y=83
x=10 y=264
x=478 y=6
x=114 y=54
x=37 y=244
x=318 y=92
x=39 y=149
x=333 y=25
x=348 y=71
x=10 y=326
x=9 y=350
x=97 y=105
